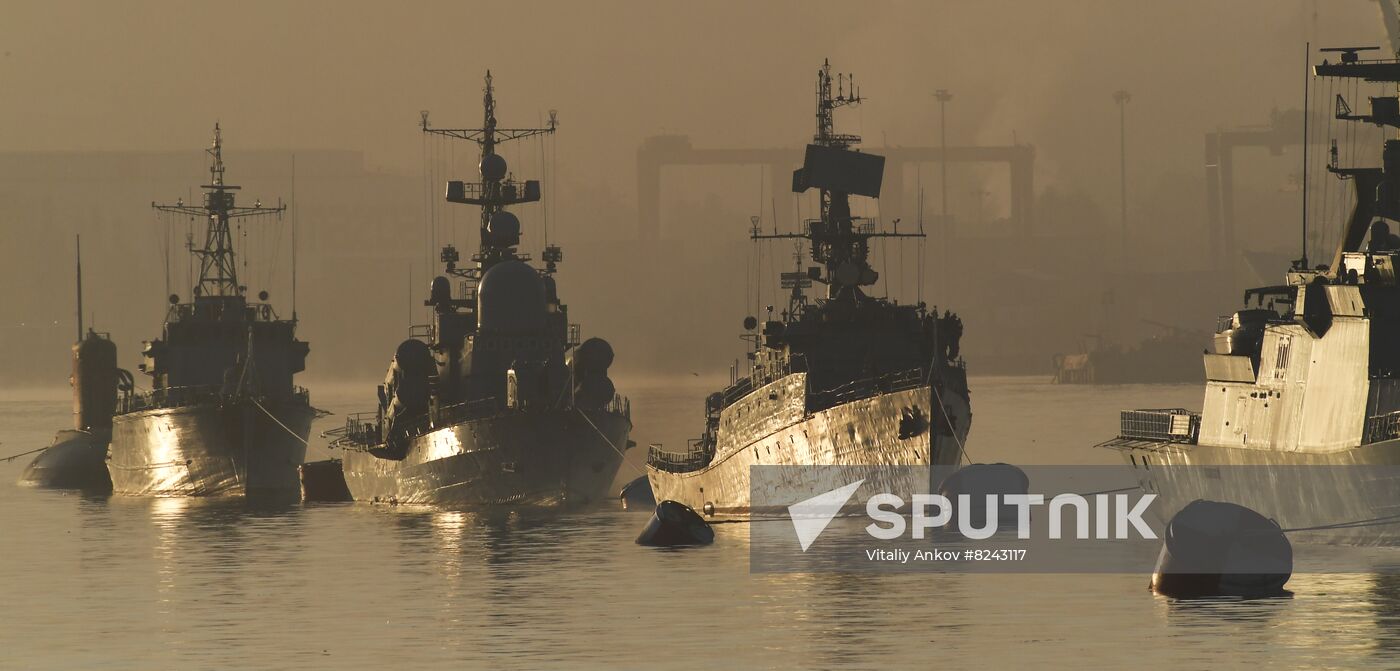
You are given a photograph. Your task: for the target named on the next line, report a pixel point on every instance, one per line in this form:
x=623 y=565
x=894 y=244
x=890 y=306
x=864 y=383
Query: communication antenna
x=78 y=241
x=1307 y=58
x=294 y=238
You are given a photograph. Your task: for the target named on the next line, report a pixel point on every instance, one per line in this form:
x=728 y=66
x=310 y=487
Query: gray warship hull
x=210 y=449
x=76 y=460
x=863 y=432
x=545 y=459
x=1297 y=490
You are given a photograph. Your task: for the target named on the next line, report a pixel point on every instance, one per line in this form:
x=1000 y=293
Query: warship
x=846 y=380
x=1300 y=419
x=495 y=401
x=77 y=457
x=222 y=417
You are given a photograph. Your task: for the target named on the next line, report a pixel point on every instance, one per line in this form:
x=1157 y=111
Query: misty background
x=108 y=107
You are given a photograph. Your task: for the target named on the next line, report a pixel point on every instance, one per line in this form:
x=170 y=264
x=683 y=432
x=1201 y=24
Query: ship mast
x=838 y=240
x=1375 y=188
x=500 y=230
x=218 y=272
x=826 y=127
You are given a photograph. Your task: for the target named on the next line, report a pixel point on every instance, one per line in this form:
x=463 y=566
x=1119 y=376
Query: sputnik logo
x=811 y=516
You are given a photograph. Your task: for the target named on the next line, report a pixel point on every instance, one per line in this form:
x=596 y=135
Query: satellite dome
x=492 y=166
x=511 y=299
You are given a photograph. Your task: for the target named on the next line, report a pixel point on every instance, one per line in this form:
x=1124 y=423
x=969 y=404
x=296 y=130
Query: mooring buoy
x=675 y=524
x=637 y=495
x=1212 y=548
x=324 y=481
x=977 y=481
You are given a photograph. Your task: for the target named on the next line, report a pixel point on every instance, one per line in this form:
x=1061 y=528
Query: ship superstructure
x=1304 y=384
x=846 y=379
x=496 y=401
x=223 y=416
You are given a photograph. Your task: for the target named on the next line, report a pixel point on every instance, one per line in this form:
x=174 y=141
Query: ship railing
x=215 y=311
x=867 y=387
x=1381 y=428
x=761 y=375
x=737 y=391
x=1172 y=425
x=361 y=430
x=169 y=397
x=460 y=412
x=698 y=454
x=619 y=405
x=178 y=397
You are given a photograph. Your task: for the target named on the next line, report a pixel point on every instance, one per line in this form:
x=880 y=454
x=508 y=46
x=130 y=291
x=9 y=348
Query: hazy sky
x=140 y=75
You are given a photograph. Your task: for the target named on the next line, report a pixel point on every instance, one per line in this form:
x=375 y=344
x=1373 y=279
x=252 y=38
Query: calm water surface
x=118 y=583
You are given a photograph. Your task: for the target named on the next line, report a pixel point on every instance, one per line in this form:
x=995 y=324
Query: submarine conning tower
x=96 y=380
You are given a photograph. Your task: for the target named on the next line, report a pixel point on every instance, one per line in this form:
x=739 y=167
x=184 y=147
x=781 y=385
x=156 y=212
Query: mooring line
x=962 y=449
x=279 y=422
x=1112 y=491
x=1374 y=521
x=608 y=440
x=21 y=454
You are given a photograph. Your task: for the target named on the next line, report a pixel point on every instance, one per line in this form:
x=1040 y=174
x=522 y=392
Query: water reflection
x=185 y=583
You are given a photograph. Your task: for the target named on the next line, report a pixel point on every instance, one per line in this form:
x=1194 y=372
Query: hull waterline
x=213 y=449
x=547 y=459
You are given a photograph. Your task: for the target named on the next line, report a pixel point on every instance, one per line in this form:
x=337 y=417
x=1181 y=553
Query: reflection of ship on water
x=496 y=401
x=223 y=416
x=847 y=379
x=1171 y=355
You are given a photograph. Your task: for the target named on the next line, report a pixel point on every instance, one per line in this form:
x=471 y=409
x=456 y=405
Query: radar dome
x=440 y=292
x=492 y=166
x=504 y=226
x=511 y=299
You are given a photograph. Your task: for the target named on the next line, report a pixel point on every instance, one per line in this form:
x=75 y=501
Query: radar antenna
x=500 y=230
x=839 y=241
